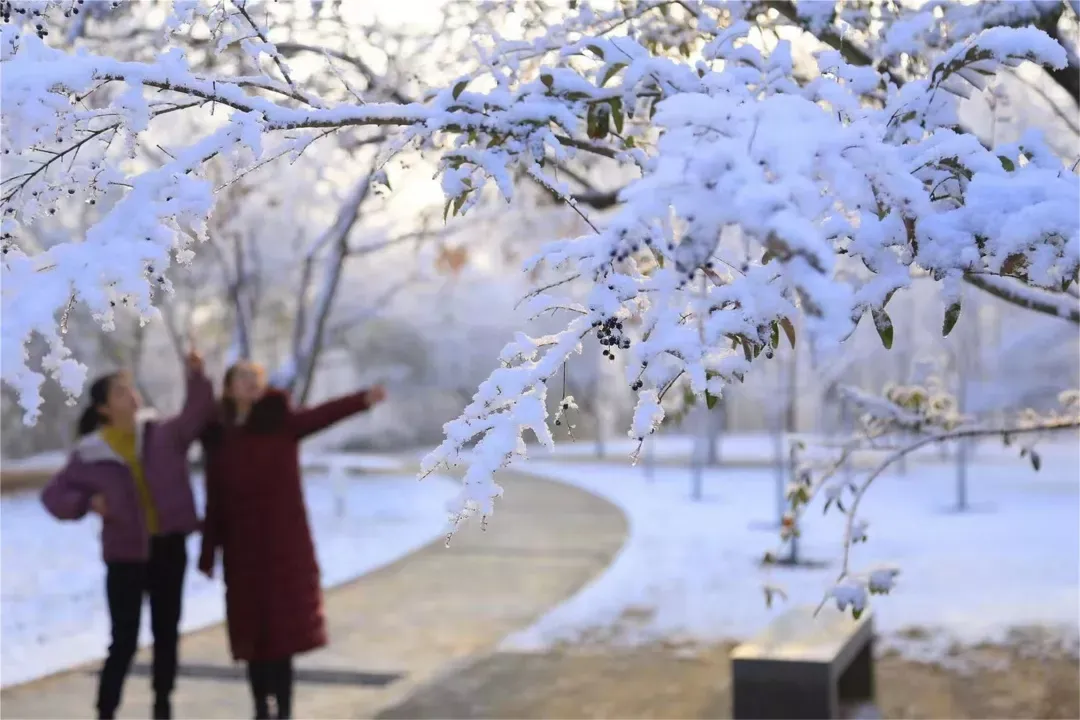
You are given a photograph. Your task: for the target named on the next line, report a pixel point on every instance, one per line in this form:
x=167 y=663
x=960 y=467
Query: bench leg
x=755 y=696
x=857 y=682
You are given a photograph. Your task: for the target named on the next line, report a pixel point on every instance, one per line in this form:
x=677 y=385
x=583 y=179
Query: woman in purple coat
x=133 y=472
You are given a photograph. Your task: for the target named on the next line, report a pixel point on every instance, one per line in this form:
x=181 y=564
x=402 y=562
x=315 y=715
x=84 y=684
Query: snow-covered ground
x=689 y=569
x=54 y=615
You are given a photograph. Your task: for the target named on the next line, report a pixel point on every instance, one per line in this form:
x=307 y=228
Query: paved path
x=394 y=629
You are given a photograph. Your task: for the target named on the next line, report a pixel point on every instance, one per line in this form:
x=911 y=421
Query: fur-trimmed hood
x=93 y=448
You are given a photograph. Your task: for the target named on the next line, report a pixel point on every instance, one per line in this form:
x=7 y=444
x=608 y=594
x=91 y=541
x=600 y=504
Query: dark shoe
x=162 y=709
x=106 y=715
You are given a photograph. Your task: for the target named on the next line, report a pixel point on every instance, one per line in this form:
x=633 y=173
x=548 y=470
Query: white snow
x=54 y=615
x=1014 y=560
x=733 y=448
x=42 y=462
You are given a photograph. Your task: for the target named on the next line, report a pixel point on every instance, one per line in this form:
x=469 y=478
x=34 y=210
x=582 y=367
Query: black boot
x=282 y=686
x=162 y=709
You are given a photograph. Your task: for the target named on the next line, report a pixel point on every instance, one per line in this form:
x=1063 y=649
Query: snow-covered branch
x=902 y=421
x=767 y=196
x=1062 y=305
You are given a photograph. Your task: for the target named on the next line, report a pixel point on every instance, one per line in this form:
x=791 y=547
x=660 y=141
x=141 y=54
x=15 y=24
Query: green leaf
x=689 y=398
x=548 y=80
x=446 y=210
x=710 y=400
x=459 y=201
x=596 y=50
x=596 y=122
x=952 y=314
x=1036 y=461
x=767 y=256
x=774 y=337
x=459 y=88
x=856 y=613
x=630 y=143
x=617 y=114
x=884 y=326
x=1006 y=163
x=610 y=72
x=789 y=330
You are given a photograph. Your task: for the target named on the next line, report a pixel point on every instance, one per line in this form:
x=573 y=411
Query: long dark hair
x=91 y=419
x=267 y=414
x=228 y=405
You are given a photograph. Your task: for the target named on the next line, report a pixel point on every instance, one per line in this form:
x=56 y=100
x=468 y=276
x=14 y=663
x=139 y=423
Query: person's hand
x=376 y=394
x=99 y=506
x=206 y=565
x=193 y=361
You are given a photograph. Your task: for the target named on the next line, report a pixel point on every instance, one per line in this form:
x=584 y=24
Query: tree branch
x=1041 y=301
x=310 y=335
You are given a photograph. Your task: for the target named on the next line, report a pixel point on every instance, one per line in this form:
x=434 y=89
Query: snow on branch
x=768 y=197
x=901 y=421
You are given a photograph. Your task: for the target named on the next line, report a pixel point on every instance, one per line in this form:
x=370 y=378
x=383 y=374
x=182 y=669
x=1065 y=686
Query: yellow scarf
x=123 y=444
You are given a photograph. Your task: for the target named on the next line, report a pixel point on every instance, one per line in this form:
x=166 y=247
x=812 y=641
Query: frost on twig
x=899 y=422
x=765 y=197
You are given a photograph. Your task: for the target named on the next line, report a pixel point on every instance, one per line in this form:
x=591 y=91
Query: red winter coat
x=255 y=513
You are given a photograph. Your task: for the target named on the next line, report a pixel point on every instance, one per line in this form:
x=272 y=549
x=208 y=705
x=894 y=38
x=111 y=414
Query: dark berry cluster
x=610 y=334
x=625 y=248
x=565 y=407
x=74 y=9
x=7 y=7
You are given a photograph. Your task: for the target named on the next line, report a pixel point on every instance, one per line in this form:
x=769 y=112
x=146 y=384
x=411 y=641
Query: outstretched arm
x=65 y=497
x=307 y=421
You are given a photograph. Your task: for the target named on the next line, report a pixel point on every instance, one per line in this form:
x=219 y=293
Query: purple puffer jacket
x=94 y=468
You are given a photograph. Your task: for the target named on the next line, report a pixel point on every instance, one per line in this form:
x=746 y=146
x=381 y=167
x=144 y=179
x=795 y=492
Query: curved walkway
x=396 y=628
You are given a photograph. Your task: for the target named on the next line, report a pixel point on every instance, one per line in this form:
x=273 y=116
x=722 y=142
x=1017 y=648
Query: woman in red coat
x=255 y=513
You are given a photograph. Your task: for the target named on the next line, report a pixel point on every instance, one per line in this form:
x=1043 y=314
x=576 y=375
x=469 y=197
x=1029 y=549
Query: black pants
x=272 y=678
x=162 y=578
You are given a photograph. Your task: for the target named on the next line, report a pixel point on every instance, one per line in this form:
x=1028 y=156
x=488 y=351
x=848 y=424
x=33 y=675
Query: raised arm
x=307 y=421
x=65 y=497
x=198 y=408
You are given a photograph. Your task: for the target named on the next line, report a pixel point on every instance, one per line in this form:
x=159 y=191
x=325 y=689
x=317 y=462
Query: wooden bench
x=806 y=667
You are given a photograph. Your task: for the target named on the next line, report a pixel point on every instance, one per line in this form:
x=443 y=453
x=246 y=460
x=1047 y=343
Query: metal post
x=696 y=469
x=780 y=469
x=650 y=457
x=598 y=404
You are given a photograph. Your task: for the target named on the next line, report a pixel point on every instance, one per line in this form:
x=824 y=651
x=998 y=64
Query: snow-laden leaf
x=884 y=326
x=952 y=314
